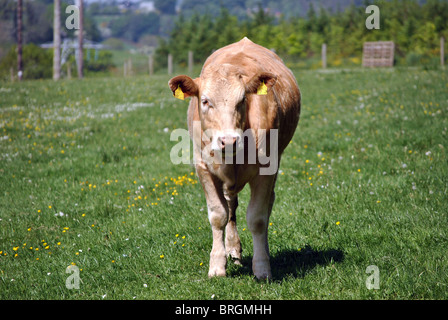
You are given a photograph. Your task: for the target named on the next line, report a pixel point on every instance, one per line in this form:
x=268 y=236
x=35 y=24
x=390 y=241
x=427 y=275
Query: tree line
x=415 y=28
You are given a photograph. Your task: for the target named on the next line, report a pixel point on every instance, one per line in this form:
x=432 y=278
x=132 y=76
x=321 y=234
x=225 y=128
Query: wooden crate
x=378 y=54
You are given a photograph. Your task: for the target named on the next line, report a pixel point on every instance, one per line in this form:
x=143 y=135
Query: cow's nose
x=227 y=141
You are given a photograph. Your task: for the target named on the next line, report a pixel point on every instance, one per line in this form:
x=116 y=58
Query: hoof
x=216 y=273
x=262 y=270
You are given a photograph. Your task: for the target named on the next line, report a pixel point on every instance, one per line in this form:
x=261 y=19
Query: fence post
x=130 y=67
x=190 y=62
x=442 y=52
x=324 y=55
x=170 y=64
x=151 y=65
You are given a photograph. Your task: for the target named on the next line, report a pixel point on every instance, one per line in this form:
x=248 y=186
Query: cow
x=243 y=87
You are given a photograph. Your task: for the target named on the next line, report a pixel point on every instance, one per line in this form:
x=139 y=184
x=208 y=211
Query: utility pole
x=19 y=40
x=80 y=39
x=57 y=40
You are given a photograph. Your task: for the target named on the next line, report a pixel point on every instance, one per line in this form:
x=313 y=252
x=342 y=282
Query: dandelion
x=162 y=256
x=338 y=223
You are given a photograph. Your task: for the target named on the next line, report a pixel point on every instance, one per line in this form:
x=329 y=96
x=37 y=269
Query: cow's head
x=222 y=92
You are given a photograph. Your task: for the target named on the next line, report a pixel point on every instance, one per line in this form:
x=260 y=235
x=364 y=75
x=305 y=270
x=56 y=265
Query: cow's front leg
x=218 y=220
x=218 y=217
x=258 y=213
x=233 y=243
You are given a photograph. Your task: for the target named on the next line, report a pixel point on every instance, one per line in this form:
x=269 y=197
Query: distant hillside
x=240 y=8
x=286 y=8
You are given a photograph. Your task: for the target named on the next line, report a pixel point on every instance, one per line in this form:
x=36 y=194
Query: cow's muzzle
x=227 y=144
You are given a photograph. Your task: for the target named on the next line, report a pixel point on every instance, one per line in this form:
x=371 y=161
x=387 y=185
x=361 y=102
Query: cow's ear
x=261 y=83
x=184 y=87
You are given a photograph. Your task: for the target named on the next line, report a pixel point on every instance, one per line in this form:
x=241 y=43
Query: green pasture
x=86 y=181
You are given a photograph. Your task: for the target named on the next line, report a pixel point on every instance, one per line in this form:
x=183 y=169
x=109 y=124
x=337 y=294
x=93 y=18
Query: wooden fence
x=378 y=54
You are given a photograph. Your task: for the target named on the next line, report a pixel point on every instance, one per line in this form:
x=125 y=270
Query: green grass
x=363 y=182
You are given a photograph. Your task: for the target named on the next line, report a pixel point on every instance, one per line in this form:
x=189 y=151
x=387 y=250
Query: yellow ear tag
x=262 y=89
x=179 y=94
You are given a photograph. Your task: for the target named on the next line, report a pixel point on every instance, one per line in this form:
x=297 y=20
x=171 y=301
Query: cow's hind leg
x=233 y=243
x=258 y=212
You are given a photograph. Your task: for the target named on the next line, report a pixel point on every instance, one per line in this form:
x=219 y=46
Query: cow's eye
x=205 y=104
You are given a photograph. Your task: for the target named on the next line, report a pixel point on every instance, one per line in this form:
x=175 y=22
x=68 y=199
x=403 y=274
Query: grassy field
x=86 y=181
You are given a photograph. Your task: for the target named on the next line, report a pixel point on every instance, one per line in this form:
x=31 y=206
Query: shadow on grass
x=292 y=263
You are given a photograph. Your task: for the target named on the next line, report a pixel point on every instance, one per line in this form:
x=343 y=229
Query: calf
x=244 y=105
